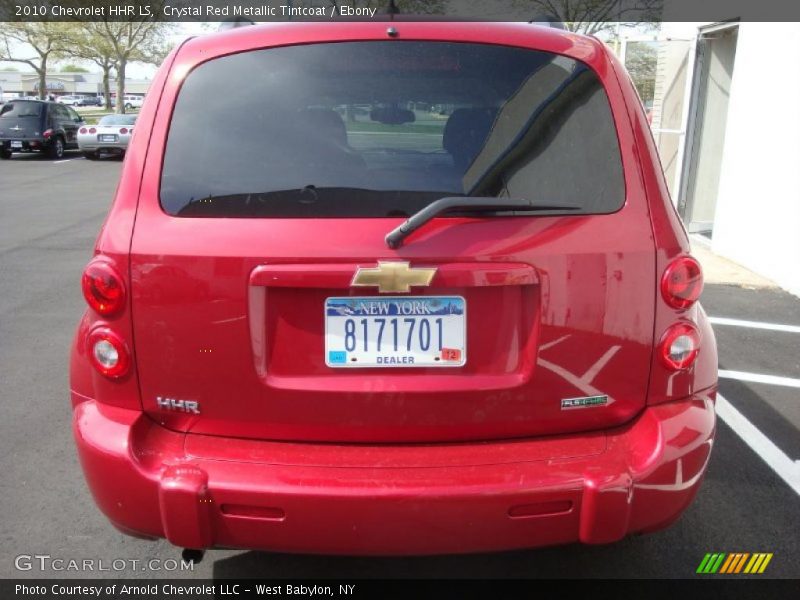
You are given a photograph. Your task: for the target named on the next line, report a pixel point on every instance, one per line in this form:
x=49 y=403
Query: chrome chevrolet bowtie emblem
x=16 y=128
x=392 y=277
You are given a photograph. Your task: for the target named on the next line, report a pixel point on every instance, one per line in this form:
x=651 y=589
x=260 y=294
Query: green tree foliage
x=91 y=45
x=73 y=69
x=34 y=44
x=134 y=41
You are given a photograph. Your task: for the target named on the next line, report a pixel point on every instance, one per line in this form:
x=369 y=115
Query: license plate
x=107 y=138
x=401 y=331
x=16 y=144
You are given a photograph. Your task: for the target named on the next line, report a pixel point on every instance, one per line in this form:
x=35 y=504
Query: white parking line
x=58 y=162
x=785 y=467
x=754 y=324
x=759 y=378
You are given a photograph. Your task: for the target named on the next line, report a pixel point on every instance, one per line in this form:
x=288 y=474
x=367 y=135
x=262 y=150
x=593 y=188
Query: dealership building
x=16 y=84
x=727 y=132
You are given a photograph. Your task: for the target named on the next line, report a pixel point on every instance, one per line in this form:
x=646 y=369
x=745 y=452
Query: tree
x=134 y=41
x=413 y=7
x=90 y=44
x=38 y=43
x=641 y=59
x=593 y=16
x=73 y=69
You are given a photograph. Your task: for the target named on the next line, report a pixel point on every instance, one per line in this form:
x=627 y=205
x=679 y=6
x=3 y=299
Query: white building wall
x=757 y=221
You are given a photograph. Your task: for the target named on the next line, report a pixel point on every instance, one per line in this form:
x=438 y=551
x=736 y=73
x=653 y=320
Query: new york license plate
x=401 y=331
x=107 y=138
x=16 y=144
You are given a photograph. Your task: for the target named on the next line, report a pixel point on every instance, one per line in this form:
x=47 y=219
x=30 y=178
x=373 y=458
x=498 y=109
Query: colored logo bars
x=735 y=562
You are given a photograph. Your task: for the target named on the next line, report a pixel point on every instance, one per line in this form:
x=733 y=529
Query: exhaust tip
x=191 y=555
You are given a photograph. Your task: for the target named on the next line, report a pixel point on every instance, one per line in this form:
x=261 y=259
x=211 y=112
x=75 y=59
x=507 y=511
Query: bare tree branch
x=594 y=16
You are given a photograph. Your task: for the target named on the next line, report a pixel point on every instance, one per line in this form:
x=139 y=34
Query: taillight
x=124 y=130
x=682 y=282
x=108 y=353
x=82 y=130
x=679 y=346
x=103 y=288
x=47 y=134
x=92 y=130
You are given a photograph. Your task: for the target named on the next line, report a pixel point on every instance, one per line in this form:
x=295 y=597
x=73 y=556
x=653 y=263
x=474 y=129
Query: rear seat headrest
x=465 y=133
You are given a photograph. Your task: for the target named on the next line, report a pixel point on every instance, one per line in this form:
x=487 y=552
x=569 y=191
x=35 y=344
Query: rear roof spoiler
x=234 y=23
x=393 y=12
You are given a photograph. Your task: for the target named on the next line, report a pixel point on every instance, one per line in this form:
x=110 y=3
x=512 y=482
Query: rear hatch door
x=21 y=121
x=266 y=303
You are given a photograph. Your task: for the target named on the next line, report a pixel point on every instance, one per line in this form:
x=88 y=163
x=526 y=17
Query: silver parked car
x=111 y=135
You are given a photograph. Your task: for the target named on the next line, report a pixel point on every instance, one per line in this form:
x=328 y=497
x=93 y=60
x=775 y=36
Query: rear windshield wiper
x=394 y=239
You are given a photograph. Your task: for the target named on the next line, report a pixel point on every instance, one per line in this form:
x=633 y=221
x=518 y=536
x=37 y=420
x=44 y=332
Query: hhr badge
x=187 y=406
x=393 y=277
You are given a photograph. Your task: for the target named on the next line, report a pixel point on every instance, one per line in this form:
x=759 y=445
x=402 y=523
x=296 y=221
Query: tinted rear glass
x=20 y=109
x=373 y=129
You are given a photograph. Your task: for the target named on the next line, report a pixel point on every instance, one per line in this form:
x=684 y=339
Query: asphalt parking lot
x=50 y=213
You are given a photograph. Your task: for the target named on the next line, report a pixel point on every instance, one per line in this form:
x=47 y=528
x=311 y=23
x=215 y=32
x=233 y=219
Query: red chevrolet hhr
x=392 y=288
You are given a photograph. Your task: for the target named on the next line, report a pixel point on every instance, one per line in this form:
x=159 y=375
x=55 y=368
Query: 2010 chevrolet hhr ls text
x=400 y=290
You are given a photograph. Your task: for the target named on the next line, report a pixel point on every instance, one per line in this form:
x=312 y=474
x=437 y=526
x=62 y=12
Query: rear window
x=20 y=109
x=374 y=129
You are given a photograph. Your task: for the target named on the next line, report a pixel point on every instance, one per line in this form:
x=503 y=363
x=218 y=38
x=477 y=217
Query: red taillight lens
x=682 y=282
x=82 y=130
x=47 y=134
x=124 y=130
x=679 y=346
x=108 y=353
x=103 y=288
x=92 y=130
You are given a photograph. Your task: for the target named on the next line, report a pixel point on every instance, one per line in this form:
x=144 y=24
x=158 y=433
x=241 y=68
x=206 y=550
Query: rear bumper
x=26 y=145
x=201 y=491
x=97 y=146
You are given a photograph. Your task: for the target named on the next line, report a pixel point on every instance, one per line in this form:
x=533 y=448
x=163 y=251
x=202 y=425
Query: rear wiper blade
x=394 y=239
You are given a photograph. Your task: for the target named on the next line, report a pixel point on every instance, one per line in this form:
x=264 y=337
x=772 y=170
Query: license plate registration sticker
x=397 y=331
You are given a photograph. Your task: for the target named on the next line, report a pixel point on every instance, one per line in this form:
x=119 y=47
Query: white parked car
x=132 y=101
x=110 y=136
x=69 y=100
